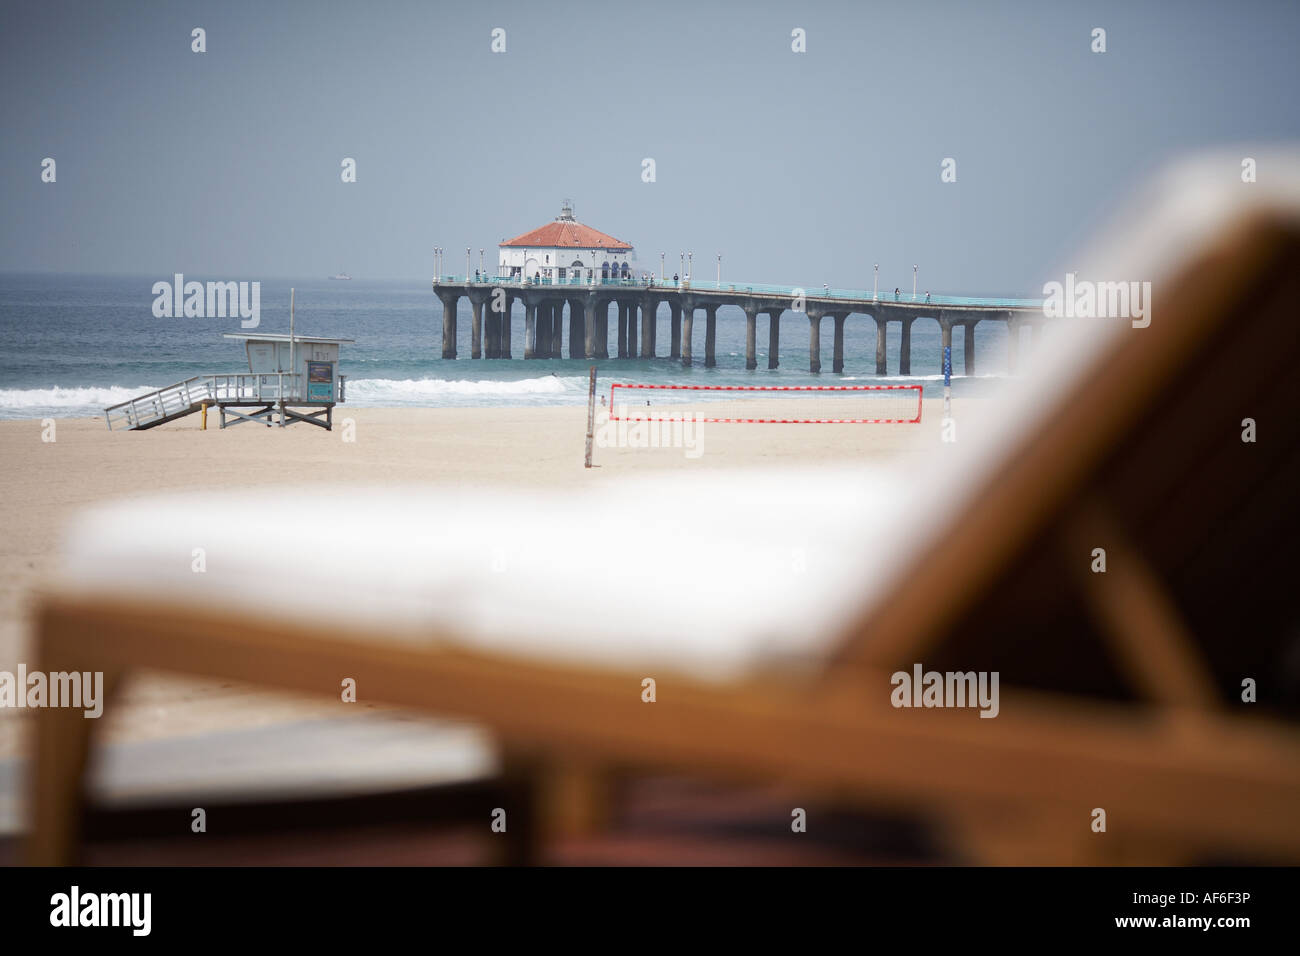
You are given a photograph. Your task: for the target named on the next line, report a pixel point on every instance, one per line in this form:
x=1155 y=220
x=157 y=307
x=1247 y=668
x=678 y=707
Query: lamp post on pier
x=914 y=283
x=875 y=284
x=719 y=270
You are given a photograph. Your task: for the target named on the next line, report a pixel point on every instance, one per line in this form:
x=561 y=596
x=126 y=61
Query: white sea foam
x=379 y=391
x=93 y=398
x=91 y=401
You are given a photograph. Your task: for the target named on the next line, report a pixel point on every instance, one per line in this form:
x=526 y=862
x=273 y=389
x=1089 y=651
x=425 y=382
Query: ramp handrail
x=181 y=397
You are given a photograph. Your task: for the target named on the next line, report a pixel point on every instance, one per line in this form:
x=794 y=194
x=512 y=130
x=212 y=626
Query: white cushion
x=707 y=573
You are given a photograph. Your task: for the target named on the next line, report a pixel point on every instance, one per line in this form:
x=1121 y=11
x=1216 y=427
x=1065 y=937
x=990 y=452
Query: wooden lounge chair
x=771 y=647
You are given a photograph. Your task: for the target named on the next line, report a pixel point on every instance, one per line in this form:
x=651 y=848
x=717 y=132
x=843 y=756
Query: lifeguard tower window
x=288 y=380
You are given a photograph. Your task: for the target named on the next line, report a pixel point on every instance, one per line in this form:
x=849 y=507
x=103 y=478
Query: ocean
x=74 y=344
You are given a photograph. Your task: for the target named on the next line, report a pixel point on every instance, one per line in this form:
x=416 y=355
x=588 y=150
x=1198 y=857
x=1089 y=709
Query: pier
x=589 y=305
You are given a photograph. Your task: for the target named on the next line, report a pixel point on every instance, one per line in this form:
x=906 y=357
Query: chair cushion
x=709 y=573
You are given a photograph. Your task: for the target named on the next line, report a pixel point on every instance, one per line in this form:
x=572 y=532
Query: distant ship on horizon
x=341 y=275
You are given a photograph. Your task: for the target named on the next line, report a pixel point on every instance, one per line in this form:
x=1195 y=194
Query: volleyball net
x=767 y=404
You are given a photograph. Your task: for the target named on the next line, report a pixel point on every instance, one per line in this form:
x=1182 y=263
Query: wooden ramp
x=162 y=405
x=268 y=394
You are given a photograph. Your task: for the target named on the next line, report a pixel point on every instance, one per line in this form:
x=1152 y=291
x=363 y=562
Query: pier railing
x=181 y=398
x=747 y=288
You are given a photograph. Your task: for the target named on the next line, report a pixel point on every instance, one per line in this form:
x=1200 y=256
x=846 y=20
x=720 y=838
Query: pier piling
x=602 y=328
x=882 y=328
x=647 y=329
x=449 y=303
x=751 y=330
x=476 y=329
x=505 y=327
x=589 y=330
x=577 y=329
x=688 y=323
x=710 y=335
x=837 y=360
x=814 y=341
x=905 y=347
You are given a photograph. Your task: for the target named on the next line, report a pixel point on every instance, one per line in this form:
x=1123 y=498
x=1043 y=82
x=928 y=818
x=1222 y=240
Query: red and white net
x=767 y=404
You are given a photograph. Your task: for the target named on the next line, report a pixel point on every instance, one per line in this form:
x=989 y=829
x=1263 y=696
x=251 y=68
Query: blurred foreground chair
x=765 y=613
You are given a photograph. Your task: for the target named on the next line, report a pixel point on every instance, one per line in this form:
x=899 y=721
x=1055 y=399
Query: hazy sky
x=799 y=167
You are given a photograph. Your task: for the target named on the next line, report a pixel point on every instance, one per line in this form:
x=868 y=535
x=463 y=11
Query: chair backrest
x=1131 y=440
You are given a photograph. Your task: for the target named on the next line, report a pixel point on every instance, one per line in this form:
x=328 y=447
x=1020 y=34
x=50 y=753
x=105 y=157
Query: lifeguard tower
x=290 y=378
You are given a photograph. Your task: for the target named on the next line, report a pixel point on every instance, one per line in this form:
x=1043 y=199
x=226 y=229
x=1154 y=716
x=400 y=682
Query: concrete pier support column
x=544 y=330
x=633 y=349
x=710 y=335
x=491 y=331
x=968 y=345
x=654 y=329
x=589 y=329
x=905 y=348
x=1013 y=344
x=557 y=330
x=882 y=327
x=602 y=330
x=530 y=330
x=622 y=330
x=814 y=341
x=577 y=330
x=449 y=303
x=751 y=337
x=688 y=324
x=837 y=359
x=505 y=329
x=675 y=349
x=945 y=332
x=774 y=338
x=476 y=330
x=647 y=330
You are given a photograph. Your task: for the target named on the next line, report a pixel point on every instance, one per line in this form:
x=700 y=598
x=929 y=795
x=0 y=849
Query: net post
x=591 y=413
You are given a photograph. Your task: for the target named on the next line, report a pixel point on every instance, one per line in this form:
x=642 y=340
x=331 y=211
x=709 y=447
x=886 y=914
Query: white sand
x=45 y=482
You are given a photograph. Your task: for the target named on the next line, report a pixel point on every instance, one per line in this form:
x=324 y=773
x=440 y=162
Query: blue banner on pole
x=947 y=365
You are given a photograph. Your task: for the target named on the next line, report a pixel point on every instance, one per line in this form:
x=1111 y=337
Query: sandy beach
x=47 y=482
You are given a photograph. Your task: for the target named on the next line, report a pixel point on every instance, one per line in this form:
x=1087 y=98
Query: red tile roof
x=566 y=233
